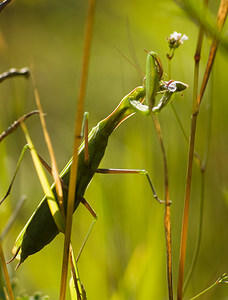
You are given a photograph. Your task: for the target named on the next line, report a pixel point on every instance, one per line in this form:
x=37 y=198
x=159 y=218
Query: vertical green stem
x=172 y=106
x=196 y=252
x=167 y=216
x=78 y=124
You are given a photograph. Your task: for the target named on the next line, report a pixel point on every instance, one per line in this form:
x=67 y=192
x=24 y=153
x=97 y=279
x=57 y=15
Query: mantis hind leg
x=132 y=171
x=94 y=215
x=89 y=207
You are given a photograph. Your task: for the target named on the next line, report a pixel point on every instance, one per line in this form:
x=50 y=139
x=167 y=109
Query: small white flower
x=176 y=36
x=183 y=38
x=176 y=39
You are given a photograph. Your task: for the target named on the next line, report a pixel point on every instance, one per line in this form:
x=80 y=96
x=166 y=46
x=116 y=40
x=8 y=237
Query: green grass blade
x=52 y=203
x=77 y=290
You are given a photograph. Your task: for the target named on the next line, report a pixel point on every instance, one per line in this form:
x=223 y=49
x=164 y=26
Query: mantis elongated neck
x=123 y=111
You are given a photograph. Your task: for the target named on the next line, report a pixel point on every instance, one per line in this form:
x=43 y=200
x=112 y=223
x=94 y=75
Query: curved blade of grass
x=44 y=183
x=54 y=169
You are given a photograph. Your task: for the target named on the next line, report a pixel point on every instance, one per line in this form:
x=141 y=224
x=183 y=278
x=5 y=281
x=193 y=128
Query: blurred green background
x=125 y=256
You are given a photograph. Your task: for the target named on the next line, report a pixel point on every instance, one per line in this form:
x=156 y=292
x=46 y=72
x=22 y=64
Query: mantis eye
x=175 y=86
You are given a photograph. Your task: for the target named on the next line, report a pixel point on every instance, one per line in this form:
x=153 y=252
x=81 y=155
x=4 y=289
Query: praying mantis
x=41 y=229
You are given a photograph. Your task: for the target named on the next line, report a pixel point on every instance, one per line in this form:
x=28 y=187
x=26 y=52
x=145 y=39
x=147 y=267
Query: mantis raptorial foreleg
x=155 y=86
x=85 y=127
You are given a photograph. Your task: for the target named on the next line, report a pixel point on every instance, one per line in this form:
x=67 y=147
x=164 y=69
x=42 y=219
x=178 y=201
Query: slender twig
x=167 y=217
x=78 y=124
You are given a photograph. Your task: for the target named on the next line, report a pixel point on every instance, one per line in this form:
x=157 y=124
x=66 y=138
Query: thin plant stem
x=201 y=204
x=221 y=279
x=78 y=124
x=197 y=157
x=6 y=274
x=12 y=217
x=167 y=216
x=172 y=106
x=196 y=105
x=169 y=67
x=198 y=242
x=189 y=169
x=175 y=112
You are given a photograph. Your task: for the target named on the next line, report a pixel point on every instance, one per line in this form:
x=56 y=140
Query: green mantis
x=41 y=228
